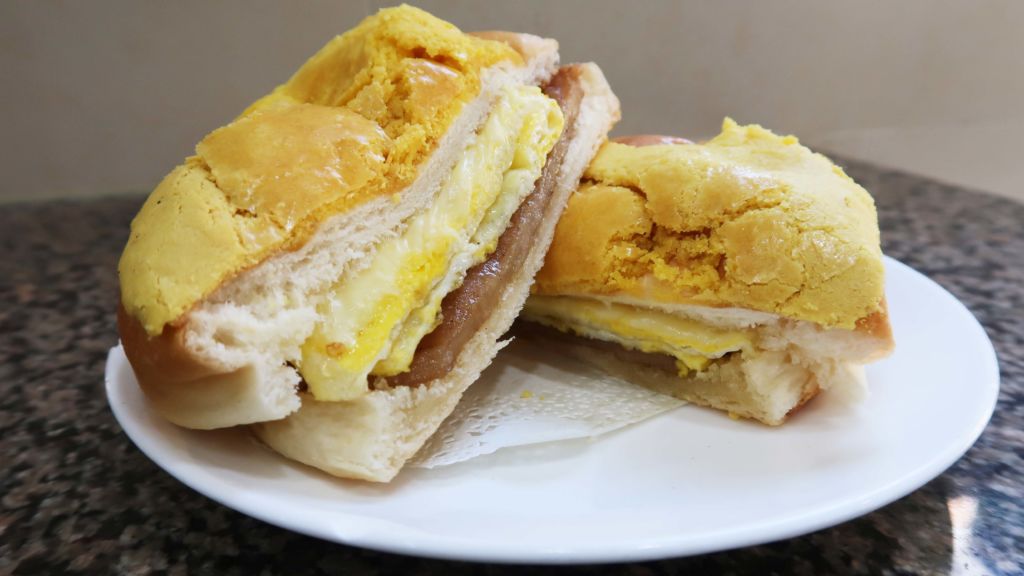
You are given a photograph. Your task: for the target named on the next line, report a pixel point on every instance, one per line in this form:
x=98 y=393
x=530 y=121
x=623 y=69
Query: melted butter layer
x=374 y=320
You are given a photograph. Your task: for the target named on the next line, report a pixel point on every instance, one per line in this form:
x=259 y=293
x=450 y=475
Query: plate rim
x=668 y=546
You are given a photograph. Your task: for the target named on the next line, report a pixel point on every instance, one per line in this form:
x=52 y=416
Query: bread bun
x=750 y=235
x=748 y=220
x=220 y=276
x=234 y=257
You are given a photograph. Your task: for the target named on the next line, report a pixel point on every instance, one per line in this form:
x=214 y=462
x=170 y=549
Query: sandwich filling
x=467 y=308
x=372 y=322
x=693 y=344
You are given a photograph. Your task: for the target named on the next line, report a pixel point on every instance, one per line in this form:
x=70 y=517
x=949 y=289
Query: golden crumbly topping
x=749 y=219
x=354 y=123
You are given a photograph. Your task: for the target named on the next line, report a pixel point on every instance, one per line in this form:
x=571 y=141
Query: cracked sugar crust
x=749 y=219
x=355 y=123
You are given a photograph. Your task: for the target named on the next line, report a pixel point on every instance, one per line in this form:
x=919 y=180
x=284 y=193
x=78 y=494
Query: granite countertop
x=76 y=495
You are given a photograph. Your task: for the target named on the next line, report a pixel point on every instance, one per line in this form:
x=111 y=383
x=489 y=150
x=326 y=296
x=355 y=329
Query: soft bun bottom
x=764 y=386
x=372 y=437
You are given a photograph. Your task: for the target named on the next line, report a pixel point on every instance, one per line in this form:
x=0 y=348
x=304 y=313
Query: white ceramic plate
x=686 y=482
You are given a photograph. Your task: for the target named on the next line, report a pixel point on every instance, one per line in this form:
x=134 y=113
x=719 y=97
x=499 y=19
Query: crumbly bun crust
x=748 y=219
x=356 y=123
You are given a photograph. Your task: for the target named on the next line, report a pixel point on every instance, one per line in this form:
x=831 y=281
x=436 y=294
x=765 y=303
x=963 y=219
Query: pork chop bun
x=335 y=266
x=743 y=273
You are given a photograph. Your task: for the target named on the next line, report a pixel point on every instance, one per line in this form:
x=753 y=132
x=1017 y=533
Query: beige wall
x=105 y=97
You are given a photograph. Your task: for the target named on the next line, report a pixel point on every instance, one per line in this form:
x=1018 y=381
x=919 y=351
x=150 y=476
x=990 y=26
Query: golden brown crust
x=877 y=326
x=190 y=392
x=180 y=386
x=162 y=360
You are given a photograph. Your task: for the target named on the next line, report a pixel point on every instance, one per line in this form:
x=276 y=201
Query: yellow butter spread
x=748 y=219
x=354 y=123
x=692 y=343
x=372 y=321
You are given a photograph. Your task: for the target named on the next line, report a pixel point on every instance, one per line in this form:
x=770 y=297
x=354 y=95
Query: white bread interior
x=791 y=363
x=372 y=437
x=240 y=338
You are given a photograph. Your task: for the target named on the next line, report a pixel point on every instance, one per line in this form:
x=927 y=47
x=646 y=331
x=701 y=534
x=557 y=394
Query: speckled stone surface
x=76 y=495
